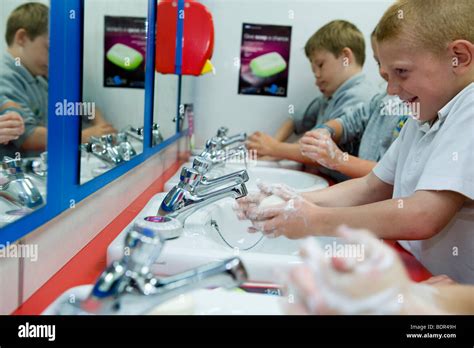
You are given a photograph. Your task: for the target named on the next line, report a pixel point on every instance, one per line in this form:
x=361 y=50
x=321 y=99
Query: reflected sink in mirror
x=22 y=187
x=93 y=165
x=213 y=233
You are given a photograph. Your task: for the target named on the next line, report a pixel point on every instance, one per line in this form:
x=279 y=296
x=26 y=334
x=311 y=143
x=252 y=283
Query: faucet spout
x=19 y=189
x=180 y=204
x=129 y=287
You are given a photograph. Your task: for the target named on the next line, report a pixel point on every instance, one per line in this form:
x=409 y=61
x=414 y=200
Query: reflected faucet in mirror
x=37 y=167
x=137 y=133
x=111 y=148
x=18 y=189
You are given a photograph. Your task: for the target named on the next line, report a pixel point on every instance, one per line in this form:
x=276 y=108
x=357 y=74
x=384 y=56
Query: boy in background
x=337 y=54
x=376 y=124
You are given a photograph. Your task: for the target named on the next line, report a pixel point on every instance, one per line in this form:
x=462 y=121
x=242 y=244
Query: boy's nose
x=393 y=88
x=383 y=74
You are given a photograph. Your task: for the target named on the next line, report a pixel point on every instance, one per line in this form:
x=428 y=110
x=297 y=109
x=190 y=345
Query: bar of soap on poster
x=264 y=59
x=124 y=52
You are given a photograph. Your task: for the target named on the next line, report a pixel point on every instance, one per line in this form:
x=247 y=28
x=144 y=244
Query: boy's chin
x=423 y=118
x=326 y=93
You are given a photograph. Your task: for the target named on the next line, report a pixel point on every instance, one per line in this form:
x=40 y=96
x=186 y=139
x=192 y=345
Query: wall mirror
x=24 y=45
x=113 y=84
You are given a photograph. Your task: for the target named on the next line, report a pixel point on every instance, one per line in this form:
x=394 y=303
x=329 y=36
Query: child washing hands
x=269 y=218
x=375 y=283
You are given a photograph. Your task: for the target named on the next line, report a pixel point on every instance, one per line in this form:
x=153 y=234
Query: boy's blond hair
x=429 y=24
x=334 y=37
x=32 y=16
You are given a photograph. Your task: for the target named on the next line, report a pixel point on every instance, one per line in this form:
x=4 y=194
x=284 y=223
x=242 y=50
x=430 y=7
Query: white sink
x=203 y=302
x=298 y=180
x=213 y=233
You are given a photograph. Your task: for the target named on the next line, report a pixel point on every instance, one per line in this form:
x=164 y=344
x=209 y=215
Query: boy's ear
x=347 y=55
x=462 y=55
x=20 y=37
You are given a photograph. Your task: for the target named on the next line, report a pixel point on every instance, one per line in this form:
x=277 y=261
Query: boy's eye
x=400 y=71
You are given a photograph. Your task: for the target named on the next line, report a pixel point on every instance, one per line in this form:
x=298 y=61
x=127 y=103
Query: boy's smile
x=418 y=77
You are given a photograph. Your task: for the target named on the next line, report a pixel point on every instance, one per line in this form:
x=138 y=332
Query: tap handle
x=137 y=131
x=144 y=246
x=122 y=137
x=11 y=165
x=213 y=144
x=201 y=164
x=222 y=132
x=238 y=177
x=107 y=139
x=190 y=177
x=234 y=139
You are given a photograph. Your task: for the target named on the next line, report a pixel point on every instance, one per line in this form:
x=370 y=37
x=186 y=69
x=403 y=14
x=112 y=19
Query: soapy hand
x=370 y=279
x=11 y=127
x=262 y=143
x=289 y=218
x=318 y=146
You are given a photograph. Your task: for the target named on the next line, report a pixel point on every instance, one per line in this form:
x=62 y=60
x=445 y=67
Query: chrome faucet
x=217 y=152
x=157 y=137
x=195 y=191
x=129 y=287
x=218 y=143
x=110 y=148
x=19 y=189
x=137 y=133
x=37 y=167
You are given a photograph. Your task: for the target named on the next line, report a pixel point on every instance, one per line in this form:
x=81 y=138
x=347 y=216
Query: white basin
x=213 y=233
x=5 y=218
x=205 y=302
x=298 y=180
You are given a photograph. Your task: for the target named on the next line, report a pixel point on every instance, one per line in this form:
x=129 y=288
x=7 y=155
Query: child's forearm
x=338 y=129
x=36 y=141
x=378 y=217
x=351 y=193
x=418 y=217
x=292 y=152
x=355 y=167
x=285 y=130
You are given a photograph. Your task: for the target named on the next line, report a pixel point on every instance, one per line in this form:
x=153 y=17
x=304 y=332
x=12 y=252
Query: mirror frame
x=65 y=83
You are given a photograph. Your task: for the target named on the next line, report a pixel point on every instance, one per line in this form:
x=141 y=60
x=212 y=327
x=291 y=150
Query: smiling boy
x=422 y=190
